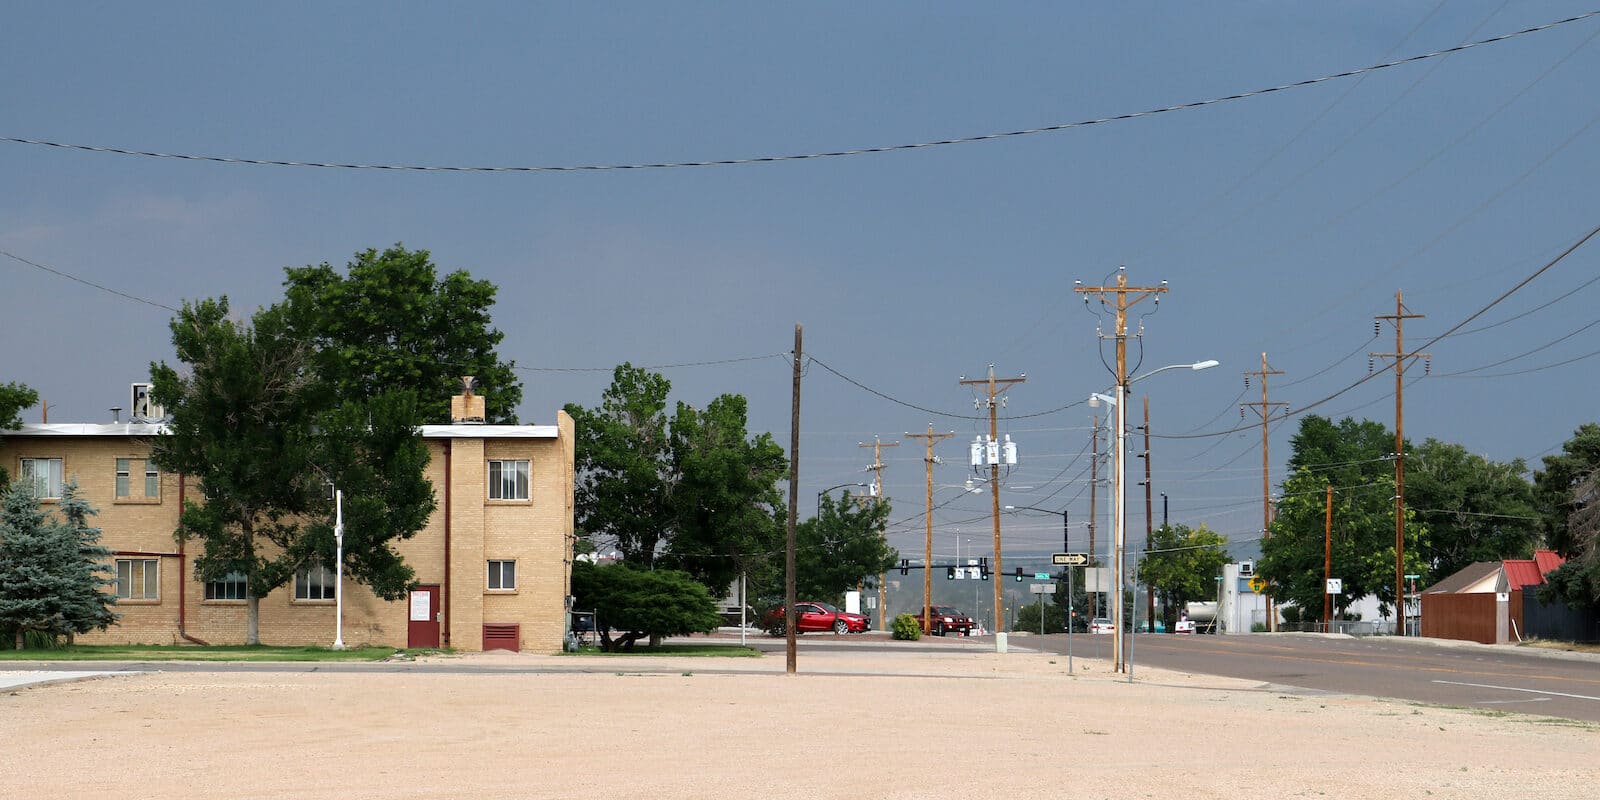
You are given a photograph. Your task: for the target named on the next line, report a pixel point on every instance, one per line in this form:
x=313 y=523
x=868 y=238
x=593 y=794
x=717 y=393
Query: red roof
x=1522 y=572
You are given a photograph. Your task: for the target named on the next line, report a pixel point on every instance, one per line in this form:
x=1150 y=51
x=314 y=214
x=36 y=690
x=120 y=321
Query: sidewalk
x=17 y=679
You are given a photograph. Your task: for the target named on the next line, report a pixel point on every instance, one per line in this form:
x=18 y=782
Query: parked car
x=1100 y=625
x=945 y=619
x=813 y=617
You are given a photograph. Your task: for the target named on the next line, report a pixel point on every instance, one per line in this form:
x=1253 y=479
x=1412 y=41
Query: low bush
x=907 y=627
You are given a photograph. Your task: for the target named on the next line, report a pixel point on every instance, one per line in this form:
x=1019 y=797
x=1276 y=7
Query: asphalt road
x=1480 y=677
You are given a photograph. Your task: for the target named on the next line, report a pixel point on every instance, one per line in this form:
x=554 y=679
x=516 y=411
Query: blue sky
x=1282 y=222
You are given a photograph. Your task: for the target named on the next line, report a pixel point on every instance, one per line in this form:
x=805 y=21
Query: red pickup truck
x=945 y=619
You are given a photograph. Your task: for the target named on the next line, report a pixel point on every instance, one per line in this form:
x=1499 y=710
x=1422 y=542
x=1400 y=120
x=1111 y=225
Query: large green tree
x=834 y=551
x=1554 y=485
x=1356 y=458
x=726 y=501
x=642 y=603
x=1569 y=491
x=241 y=422
x=13 y=398
x=1182 y=564
x=696 y=493
x=53 y=574
x=391 y=322
x=253 y=422
x=1476 y=509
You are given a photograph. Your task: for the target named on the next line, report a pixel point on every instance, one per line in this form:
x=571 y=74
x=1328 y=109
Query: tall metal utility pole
x=927 y=557
x=1400 y=356
x=1264 y=408
x=1120 y=298
x=1094 y=492
x=876 y=468
x=794 y=489
x=1149 y=519
x=995 y=387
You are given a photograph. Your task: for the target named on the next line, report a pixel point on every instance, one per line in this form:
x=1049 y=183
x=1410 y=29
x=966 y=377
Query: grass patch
x=161 y=652
x=691 y=650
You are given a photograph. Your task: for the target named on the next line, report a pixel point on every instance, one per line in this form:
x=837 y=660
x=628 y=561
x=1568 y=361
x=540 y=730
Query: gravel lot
x=851 y=725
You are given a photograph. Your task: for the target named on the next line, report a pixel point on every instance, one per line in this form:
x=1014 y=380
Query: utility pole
x=876 y=468
x=1120 y=298
x=1149 y=520
x=1264 y=408
x=794 y=489
x=1400 y=356
x=1327 y=561
x=996 y=387
x=1094 y=492
x=927 y=558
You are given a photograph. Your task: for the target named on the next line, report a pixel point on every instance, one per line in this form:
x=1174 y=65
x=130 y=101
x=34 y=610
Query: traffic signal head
x=904 y=566
x=1019 y=573
x=949 y=573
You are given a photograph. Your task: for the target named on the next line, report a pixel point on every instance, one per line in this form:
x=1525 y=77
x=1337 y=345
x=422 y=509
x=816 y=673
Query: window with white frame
x=508 y=480
x=314 y=583
x=124 y=466
x=138 y=579
x=45 y=473
x=231 y=587
x=503 y=574
x=152 y=480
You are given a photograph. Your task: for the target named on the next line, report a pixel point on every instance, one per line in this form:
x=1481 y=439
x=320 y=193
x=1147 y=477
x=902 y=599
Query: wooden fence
x=1460 y=616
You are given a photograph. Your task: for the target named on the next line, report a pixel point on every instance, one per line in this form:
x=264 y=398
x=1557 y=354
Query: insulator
x=1247 y=381
x=1369 y=365
x=1241 y=412
x=1377 y=328
x=1427 y=366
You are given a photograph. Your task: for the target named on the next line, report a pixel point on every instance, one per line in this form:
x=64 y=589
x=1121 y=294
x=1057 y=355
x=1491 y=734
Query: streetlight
x=831 y=488
x=338 y=569
x=1119 y=498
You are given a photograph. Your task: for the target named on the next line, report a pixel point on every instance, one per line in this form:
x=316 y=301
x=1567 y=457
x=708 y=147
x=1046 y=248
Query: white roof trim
x=160 y=429
x=491 y=432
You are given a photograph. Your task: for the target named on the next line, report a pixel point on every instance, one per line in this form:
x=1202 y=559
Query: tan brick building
x=491 y=564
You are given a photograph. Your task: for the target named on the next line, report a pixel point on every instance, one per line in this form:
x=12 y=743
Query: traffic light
x=1019 y=574
x=949 y=573
x=904 y=565
x=983 y=567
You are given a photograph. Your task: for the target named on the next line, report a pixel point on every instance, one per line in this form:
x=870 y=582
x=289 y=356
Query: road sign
x=1041 y=588
x=1041 y=576
x=1069 y=559
x=1257 y=585
x=1335 y=586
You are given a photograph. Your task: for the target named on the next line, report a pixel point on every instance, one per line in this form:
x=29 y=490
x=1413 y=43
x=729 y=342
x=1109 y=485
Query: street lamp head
x=1207 y=364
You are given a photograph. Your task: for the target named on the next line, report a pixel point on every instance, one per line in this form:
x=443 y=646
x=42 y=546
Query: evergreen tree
x=52 y=572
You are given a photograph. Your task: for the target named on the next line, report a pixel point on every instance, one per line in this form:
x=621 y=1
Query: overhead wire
x=813 y=155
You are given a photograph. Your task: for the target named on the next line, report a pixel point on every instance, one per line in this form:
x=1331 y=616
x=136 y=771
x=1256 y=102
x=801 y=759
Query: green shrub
x=907 y=627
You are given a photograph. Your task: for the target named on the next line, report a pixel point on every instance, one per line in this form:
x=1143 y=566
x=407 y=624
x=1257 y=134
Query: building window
x=123 y=465
x=46 y=475
x=231 y=587
x=138 y=579
x=508 y=480
x=314 y=583
x=152 y=480
x=502 y=574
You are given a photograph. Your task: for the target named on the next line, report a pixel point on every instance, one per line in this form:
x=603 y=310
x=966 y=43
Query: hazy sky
x=1282 y=222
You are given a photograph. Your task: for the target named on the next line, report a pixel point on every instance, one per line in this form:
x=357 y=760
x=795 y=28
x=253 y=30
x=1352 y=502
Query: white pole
x=1120 y=506
x=742 y=580
x=338 y=570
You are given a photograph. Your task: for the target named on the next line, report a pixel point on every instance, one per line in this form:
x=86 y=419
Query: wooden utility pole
x=1400 y=357
x=794 y=489
x=1264 y=408
x=995 y=387
x=1149 y=519
x=1120 y=298
x=1327 y=561
x=1094 y=492
x=876 y=468
x=927 y=556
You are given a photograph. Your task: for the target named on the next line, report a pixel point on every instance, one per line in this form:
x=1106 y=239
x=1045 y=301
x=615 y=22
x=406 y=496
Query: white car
x=1100 y=625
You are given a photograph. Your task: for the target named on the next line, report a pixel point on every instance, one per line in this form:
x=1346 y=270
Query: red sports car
x=814 y=617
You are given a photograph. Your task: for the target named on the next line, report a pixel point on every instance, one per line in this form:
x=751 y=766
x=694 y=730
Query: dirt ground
x=891 y=725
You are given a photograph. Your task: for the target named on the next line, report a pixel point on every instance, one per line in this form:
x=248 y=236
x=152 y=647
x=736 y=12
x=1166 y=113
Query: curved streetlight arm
x=1196 y=366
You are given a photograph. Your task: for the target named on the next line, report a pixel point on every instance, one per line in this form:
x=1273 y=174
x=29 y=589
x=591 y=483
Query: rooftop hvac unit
x=142 y=409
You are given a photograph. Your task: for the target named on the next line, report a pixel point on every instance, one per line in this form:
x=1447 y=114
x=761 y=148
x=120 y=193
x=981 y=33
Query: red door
x=422 y=615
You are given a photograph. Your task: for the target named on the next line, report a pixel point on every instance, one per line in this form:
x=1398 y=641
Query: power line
x=804 y=156
x=86 y=282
